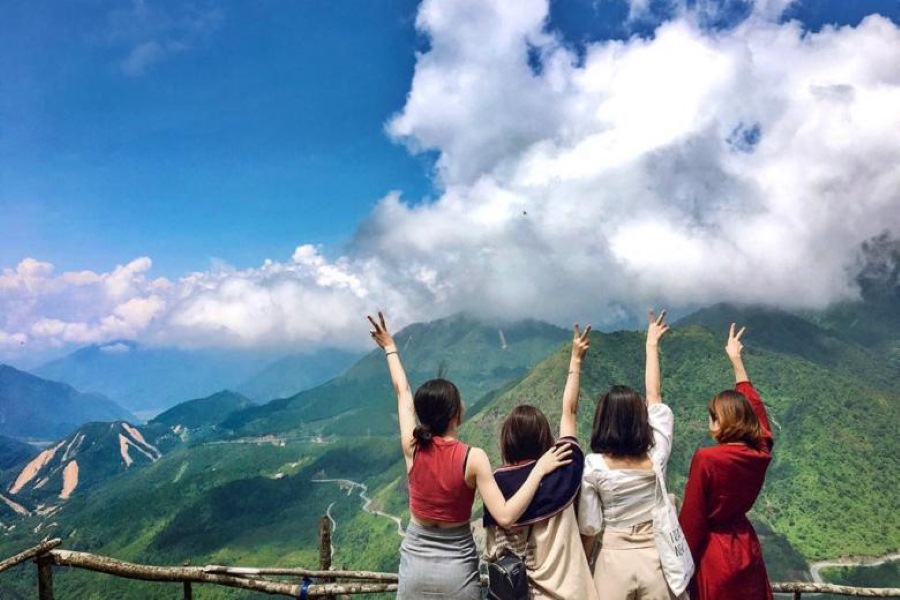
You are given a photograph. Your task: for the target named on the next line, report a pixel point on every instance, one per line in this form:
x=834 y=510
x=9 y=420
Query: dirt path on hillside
x=333 y=529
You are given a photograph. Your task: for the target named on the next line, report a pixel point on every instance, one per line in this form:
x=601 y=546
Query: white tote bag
x=674 y=554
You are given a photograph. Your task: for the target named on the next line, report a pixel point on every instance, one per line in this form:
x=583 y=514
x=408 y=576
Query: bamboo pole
x=840 y=590
x=262 y=571
x=21 y=557
x=111 y=566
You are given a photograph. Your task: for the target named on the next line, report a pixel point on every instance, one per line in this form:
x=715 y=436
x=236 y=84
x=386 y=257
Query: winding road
x=367 y=502
x=815 y=569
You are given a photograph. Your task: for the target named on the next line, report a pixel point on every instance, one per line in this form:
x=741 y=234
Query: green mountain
x=203 y=412
x=783 y=332
x=478 y=357
x=291 y=374
x=211 y=503
x=31 y=407
x=91 y=456
x=826 y=493
x=255 y=498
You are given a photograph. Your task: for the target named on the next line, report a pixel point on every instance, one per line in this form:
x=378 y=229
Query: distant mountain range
x=148 y=380
x=251 y=490
x=295 y=373
x=478 y=357
x=32 y=407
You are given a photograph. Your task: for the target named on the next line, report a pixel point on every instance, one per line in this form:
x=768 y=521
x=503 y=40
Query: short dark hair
x=525 y=435
x=736 y=419
x=437 y=403
x=621 y=425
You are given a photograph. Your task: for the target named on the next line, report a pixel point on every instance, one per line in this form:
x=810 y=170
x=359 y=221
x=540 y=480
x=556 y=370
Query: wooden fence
x=321 y=583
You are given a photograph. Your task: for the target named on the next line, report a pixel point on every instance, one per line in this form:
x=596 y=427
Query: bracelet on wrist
x=391 y=352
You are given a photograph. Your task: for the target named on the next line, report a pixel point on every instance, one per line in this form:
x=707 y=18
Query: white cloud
x=745 y=165
x=742 y=165
x=41 y=308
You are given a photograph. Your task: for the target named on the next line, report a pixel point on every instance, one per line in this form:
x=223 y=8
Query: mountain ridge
x=37 y=408
x=442 y=347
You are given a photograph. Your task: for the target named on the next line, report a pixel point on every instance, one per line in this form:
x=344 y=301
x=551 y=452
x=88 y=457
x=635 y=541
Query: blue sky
x=266 y=130
x=211 y=135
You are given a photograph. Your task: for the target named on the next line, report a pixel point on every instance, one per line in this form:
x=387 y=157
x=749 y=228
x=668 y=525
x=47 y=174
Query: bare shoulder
x=478 y=465
x=478 y=462
x=478 y=456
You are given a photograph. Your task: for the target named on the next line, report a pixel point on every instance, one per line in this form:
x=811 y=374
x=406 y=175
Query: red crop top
x=437 y=482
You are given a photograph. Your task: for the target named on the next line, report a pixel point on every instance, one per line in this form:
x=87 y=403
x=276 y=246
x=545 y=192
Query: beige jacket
x=554 y=557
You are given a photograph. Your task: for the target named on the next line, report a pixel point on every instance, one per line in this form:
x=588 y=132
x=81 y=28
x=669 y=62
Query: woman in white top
x=629 y=438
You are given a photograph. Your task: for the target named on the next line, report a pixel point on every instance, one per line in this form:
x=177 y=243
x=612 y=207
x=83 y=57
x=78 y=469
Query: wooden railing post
x=45 y=577
x=325 y=550
x=188 y=590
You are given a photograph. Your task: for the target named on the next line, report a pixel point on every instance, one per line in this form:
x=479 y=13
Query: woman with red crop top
x=723 y=483
x=438 y=558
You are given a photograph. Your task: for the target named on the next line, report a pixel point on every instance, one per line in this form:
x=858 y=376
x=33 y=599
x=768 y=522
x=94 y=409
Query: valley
x=225 y=480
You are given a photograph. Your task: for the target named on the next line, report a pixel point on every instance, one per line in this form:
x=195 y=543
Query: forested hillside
x=832 y=488
x=250 y=491
x=477 y=356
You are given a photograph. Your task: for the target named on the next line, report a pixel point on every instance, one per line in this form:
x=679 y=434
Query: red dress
x=722 y=486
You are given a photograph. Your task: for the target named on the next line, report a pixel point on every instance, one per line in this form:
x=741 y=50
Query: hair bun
x=423 y=435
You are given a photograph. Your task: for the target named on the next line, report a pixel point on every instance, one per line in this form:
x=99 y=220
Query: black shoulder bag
x=508 y=577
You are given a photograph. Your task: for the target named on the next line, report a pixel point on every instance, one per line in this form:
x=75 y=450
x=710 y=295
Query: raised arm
x=405 y=408
x=507 y=512
x=568 y=424
x=733 y=349
x=656 y=328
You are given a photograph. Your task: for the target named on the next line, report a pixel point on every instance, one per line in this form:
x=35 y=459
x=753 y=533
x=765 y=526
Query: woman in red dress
x=722 y=486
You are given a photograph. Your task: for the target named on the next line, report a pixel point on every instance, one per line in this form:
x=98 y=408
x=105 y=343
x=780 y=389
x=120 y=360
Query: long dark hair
x=526 y=434
x=437 y=403
x=621 y=425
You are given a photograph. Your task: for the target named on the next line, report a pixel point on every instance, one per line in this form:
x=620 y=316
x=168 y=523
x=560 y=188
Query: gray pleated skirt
x=438 y=563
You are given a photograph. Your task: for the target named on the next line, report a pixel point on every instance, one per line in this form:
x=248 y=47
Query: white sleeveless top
x=621 y=498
